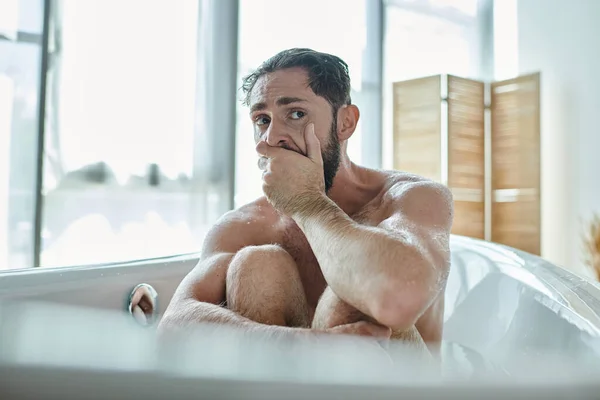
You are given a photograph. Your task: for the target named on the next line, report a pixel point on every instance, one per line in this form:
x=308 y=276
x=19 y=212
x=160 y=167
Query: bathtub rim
x=577 y=293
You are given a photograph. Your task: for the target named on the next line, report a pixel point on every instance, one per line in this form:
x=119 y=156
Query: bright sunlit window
x=9 y=18
x=130 y=87
x=466 y=7
x=120 y=135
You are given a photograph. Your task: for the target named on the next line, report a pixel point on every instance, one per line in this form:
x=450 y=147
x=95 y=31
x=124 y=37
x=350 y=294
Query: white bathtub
x=506 y=312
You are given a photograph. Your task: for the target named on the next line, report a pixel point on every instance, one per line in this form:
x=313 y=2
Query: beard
x=331 y=156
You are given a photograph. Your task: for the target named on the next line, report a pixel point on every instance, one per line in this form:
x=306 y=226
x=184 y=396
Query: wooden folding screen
x=516 y=163
x=417 y=123
x=444 y=142
x=466 y=158
x=439 y=133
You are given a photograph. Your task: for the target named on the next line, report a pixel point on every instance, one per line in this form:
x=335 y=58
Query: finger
x=262 y=148
x=313 y=146
x=137 y=296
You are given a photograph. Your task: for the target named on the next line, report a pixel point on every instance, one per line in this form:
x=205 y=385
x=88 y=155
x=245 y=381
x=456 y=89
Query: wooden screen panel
x=517 y=225
x=466 y=155
x=469 y=219
x=516 y=208
x=417 y=127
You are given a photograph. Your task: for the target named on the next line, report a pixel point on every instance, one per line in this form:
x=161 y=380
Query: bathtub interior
x=501 y=306
x=506 y=306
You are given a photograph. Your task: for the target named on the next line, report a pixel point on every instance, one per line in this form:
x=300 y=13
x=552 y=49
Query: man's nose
x=277 y=136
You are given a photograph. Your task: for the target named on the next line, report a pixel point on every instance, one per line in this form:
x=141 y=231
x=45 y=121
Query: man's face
x=282 y=105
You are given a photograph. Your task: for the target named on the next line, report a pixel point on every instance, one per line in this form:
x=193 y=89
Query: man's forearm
x=360 y=263
x=193 y=313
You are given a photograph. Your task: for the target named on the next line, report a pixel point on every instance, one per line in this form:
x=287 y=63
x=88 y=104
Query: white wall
x=561 y=39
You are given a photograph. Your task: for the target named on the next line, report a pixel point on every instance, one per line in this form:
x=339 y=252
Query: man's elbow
x=400 y=309
x=405 y=294
x=396 y=315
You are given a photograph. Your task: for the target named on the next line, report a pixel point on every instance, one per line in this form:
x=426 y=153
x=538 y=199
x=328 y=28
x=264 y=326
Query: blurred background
x=122 y=135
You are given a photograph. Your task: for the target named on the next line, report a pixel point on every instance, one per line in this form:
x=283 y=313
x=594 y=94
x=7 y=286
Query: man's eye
x=297 y=114
x=262 y=120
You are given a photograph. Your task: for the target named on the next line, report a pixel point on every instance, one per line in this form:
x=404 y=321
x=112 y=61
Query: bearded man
x=331 y=247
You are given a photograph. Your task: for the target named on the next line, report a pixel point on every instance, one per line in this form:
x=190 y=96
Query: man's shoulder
x=398 y=183
x=417 y=193
x=250 y=224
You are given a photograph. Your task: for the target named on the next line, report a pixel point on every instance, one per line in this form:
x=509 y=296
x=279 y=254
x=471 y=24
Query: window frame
x=42 y=40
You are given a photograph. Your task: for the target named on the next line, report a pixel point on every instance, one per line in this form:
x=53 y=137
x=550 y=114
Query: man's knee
x=264 y=285
x=253 y=260
x=253 y=265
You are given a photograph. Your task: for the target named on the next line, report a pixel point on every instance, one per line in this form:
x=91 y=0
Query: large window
x=126 y=158
x=141 y=121
x=123 y=151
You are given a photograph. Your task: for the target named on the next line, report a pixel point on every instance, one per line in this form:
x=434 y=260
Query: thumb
x=313 y=146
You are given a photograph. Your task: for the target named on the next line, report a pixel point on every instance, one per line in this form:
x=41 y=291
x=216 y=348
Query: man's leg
x=332 y=311
x=263 y=284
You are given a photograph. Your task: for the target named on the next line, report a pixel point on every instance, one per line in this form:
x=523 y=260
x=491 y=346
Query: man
x=332 y=247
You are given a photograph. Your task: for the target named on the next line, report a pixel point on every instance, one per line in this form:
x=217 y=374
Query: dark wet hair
x=328 y=75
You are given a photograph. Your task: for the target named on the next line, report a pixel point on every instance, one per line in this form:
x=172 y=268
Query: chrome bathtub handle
x=143 y=304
